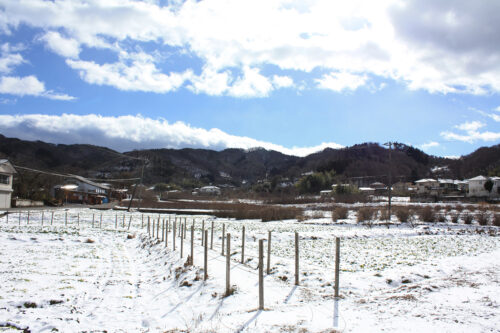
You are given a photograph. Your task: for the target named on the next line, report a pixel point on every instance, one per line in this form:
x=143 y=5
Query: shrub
x=496 y=220
x=467 y=218
x=339 y=212
x=384 y=215
x=365 y=214
x=482 y=217
x=427 y=214
x=403 y=214
x=454 y=218
x=441 y=218
x=459 y=208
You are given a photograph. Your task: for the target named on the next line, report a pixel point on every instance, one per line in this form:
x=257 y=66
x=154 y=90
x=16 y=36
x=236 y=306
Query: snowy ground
x=70 y=276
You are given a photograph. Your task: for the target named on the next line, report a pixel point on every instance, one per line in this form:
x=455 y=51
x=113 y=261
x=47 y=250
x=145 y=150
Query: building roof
x=7 y=166
x=85 y=180
x=478 y=178
x=426 y=180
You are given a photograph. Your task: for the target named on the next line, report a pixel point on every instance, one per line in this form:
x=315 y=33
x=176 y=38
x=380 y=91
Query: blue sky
x=294 y=76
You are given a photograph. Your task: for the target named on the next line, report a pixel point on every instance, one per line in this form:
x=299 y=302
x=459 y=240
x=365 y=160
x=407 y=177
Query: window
x=4 y=179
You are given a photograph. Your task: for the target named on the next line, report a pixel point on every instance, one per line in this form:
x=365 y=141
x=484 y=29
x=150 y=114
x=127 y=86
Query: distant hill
x=362 y=163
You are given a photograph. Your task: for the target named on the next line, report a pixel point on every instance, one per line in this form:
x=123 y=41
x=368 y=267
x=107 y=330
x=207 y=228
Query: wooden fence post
x=19 y=218
x=149 y=231
x=65 y=218
x=129 y=222
x=42 y=217
x=52 y=218
x=212 y=237
x=192 y=244
x=228 y=265
x=28 y=218
x=337 y=266
x=166 y=232
x=163 y=230
x=93 y=218
x=182 y=238
x=158 y=229
x=268 y=253
x=205 y=260
x=142 y=221
x=173 y=233
x=100 y=222
x=223 y=237
x=153 y=229
x=261 y=274
x=123 y=221
x=202 y=232
x=116 y=221
x=243 y=245
x=296 y=258
x=78 y=219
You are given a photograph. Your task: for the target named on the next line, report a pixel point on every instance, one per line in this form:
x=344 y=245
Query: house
x=7 y=172
x=79 y=189
x=210 y=190
x=427 y=186
x=401 y=188
x=476 y=187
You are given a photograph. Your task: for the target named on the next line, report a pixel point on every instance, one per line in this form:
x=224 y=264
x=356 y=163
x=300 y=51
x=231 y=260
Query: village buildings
x=7 y=172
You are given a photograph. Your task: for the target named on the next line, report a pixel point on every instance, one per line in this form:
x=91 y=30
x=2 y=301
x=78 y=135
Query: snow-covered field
x=72 y=277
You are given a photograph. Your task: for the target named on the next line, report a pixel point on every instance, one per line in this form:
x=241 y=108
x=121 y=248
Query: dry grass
x=482 y=217
x=496 y=220
x=235 y=210
x=403 y=214
x=365 y=214
x=467 y=218
x=339 y=213
x=427 y=214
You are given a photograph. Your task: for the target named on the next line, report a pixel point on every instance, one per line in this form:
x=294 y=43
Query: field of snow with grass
x=80 y=272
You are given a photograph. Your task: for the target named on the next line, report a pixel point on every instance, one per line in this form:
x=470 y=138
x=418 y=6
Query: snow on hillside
x=70 y=277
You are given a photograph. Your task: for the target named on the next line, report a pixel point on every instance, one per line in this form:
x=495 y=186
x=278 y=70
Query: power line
x=71 y=175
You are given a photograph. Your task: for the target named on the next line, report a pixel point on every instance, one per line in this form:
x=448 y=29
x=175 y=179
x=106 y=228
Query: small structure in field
x=209 y=190
x=79 y=189
x=7 y=172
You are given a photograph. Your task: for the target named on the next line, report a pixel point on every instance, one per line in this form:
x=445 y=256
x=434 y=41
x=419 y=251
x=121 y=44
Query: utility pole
x=390 y=175
x=135 y=187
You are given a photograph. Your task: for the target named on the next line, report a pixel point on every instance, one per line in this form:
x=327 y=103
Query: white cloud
x=439 y=46
x=28 y=86
x=282 y=81
x=65 y=47
x=340 y=82
x=9 y=59
x=251 y=84
x=133 y=132
x=133 y=72
x=430 y=144
x=471 y=126
x=497 y=109
x=472 y=133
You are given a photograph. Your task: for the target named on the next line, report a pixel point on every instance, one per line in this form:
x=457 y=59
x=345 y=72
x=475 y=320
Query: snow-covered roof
x=85 y=180
x=426 y=180
x=478 y=178
x=446 y=181
x=7 y=166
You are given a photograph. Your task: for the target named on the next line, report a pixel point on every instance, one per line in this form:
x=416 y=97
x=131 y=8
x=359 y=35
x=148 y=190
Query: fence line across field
x=180 y=222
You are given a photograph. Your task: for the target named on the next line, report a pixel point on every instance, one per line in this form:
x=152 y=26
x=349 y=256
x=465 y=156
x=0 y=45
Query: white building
x=7 y=172
x=476 y=187
x=427 y=186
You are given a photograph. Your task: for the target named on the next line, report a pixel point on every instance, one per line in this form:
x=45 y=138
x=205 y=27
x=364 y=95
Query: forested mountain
x=362 y=163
